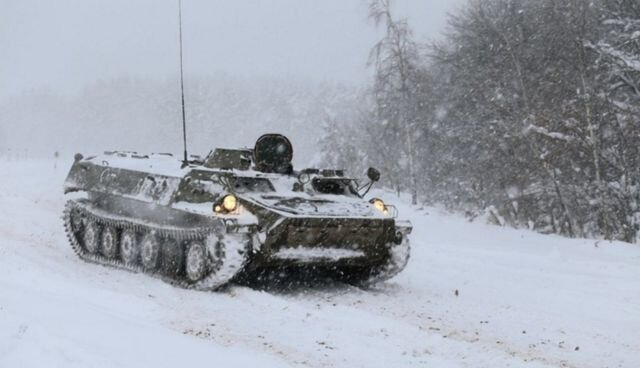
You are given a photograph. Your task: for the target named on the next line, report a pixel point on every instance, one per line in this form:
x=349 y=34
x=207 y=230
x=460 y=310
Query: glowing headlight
x=379 y=204
x=230 y=202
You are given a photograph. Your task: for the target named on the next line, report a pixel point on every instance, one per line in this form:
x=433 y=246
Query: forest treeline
x=527 y=112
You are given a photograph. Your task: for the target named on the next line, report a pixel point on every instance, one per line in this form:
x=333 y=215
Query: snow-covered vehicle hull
x=207 y=222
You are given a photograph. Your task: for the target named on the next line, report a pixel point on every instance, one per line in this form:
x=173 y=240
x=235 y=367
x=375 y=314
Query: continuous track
x=227 y=253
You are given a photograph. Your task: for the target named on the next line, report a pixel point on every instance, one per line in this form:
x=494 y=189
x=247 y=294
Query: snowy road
x=472 y=296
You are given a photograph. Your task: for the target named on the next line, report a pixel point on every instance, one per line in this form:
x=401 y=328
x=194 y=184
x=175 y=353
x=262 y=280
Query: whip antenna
x=185 y=160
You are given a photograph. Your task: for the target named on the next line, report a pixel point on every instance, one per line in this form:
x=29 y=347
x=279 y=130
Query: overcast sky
x=65 y=44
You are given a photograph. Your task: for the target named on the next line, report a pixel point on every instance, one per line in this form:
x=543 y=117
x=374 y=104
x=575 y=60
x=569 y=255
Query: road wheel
x=172 y=257
x=91 y=236
x=129 y=247
x=109 y=243
x=150 y=252
x=196 y=262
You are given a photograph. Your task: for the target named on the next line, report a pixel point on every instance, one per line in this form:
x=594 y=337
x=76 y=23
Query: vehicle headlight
x=230 y=202
x=379 y=204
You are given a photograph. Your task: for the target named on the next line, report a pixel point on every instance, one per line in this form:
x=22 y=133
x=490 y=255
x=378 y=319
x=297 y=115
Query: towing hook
x=398 y=238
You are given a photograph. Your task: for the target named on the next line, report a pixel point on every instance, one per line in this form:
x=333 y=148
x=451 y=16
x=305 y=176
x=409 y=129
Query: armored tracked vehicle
x=201 y=223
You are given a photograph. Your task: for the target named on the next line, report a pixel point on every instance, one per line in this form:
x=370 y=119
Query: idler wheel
x=150 y=252
x=109 y=243
x=91 y=236
x=196 y=262
x=76 y=220
x=129 y=247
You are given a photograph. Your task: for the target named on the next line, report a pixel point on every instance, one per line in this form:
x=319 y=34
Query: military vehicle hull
x=147 y=214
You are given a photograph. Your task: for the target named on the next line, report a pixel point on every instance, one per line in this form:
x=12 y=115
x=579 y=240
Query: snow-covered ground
x=473 y=295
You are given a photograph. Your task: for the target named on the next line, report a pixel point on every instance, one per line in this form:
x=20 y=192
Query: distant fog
x=144 y=115
x=90 y=75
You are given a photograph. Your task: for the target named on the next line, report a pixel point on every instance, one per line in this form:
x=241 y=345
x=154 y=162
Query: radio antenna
x=185 y=160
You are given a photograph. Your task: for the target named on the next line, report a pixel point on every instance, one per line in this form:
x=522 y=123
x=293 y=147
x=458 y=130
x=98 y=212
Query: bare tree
x=396 y=61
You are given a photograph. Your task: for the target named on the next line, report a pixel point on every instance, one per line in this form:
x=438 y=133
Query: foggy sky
x=64 y=45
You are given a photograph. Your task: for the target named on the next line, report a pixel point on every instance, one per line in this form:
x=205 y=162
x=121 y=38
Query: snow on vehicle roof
x=284 y=200
x=160 y=164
